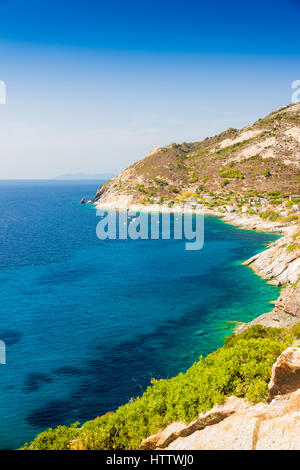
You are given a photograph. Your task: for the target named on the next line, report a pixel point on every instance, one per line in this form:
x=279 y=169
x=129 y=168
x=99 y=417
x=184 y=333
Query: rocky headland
x=280 y=264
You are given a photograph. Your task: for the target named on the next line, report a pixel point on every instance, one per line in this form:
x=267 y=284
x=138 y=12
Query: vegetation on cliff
x=260 y=157
x=242 y=367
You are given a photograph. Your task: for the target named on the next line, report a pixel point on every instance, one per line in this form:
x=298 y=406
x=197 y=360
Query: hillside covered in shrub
x=261 y=157
x=242 y=367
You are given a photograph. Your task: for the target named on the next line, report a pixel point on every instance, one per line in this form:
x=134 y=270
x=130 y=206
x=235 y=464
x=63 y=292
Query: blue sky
x=93 y=86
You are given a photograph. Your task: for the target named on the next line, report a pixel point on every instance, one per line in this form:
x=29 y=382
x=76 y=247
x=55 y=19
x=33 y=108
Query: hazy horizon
x=61 y=178
x=93 y=87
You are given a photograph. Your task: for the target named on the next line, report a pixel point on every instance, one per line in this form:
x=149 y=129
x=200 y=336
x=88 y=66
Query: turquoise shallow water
x=87 y=323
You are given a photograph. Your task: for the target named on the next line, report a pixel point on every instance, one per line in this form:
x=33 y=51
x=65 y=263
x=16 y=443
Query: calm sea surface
x=87 y=323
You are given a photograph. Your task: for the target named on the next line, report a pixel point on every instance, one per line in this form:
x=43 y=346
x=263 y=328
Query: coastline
x=243 y=220
x=276 y=263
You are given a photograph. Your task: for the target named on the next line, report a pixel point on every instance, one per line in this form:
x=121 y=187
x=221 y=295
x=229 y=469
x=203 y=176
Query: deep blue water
x=87 y=323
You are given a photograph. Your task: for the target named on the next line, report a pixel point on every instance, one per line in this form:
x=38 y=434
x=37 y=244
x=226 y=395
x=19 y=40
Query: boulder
x=178 y=429
x=162 y=438
x=282 y=433
x=262 y=426
x=285 y=373
x=289 y=301
x=234 y=433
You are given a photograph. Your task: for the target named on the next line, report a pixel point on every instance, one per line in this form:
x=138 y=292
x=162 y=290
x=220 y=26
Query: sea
x=87 y=323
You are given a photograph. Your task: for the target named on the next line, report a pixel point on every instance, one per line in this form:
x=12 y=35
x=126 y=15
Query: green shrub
x=194 y=178
x=141 y=188
x=295 y=330
x=55 y=439
x=200 y=188
x=270 y=215
x=293 y=246
x=258 y=331
x=224 y=183
x=232 y=174
x=275 y=201
x=161 y=182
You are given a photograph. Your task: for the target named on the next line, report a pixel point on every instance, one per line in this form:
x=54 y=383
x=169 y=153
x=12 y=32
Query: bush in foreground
x=242 y=367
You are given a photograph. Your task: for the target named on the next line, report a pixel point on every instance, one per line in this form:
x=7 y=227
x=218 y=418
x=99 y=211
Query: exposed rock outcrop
x=281 y=265
x=278 y=263
x=285 y=373
x=241 y=425
x=285 y=314
x=289 y=301
x=175 y=430
x=162 y=439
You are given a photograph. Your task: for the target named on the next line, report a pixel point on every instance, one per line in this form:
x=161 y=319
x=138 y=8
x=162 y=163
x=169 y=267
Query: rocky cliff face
x=263 y=156
x=240 y=425
x=280 y=263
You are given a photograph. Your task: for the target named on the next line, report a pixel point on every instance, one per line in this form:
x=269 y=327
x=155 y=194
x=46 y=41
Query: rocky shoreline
x=280 y=264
